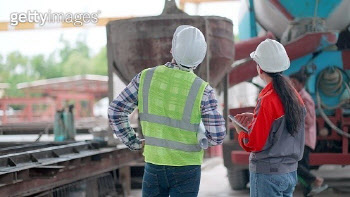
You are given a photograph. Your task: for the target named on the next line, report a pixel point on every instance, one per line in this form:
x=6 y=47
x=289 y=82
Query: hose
x=330 y=81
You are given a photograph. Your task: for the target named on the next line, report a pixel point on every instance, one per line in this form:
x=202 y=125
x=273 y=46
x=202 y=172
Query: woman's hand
x=244 y=118
x=237 y=128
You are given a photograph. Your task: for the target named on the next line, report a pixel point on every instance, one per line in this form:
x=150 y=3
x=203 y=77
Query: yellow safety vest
x=169 y=107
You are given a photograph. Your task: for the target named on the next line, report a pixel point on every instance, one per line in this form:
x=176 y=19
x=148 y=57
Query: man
x=307 y=178
x=171 y=101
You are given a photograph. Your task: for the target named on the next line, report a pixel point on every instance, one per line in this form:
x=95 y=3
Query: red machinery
x=308 y=43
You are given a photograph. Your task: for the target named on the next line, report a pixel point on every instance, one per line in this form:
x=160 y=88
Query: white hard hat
x=271 y=56
x=188 y=46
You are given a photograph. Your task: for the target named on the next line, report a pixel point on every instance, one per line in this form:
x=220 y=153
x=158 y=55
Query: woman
x=312 y=184
x=276 y=129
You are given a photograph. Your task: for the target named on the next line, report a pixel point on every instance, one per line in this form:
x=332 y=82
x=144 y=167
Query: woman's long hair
x=293 y=108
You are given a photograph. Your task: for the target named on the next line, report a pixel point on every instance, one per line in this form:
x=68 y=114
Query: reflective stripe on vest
x=184 y=124
x=172 y=144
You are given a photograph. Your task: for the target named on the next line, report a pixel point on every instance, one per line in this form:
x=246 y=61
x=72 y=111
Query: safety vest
x=169 y=107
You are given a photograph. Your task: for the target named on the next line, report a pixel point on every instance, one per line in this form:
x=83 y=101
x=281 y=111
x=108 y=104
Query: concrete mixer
x=139 y=43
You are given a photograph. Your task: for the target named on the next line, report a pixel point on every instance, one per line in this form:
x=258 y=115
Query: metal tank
x=139 y=43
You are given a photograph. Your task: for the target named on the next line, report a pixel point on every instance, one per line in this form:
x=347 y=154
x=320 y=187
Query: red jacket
x=268 y=138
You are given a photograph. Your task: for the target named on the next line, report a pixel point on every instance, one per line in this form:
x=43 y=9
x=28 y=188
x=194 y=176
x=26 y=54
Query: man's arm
x=119 y=110
x=213 y=121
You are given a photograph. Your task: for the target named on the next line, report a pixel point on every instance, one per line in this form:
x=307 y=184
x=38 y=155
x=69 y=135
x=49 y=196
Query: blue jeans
x=162 y=181
x=272 y=185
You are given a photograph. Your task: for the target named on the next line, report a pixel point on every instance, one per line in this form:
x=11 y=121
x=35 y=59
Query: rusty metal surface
x=34 y=171
x=139 y=43
x=101 y=185
x=15 y=147
x=82 y=125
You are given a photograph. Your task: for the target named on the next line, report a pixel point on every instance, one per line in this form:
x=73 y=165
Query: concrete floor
x=214 y=182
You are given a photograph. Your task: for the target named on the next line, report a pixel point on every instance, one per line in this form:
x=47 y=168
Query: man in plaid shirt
x=127 y=101
x=172 y=102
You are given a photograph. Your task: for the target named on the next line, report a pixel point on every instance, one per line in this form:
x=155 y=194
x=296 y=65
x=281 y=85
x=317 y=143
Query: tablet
x=234 y=120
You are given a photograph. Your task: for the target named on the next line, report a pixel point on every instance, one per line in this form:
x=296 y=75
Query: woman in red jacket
x=275 y=134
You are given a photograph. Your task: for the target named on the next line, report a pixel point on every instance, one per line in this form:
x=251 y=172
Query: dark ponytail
x=292 y=107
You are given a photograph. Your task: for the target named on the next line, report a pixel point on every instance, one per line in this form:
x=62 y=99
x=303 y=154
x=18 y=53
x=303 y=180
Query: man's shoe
x=317 y=190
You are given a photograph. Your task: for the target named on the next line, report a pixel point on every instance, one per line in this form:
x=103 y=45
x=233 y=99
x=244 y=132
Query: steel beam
x=31 y=172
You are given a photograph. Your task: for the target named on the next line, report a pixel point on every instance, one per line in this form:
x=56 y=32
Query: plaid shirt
x=127 y=101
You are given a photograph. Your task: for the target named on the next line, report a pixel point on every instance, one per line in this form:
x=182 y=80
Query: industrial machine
x=316 y=35
x=138 y=43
